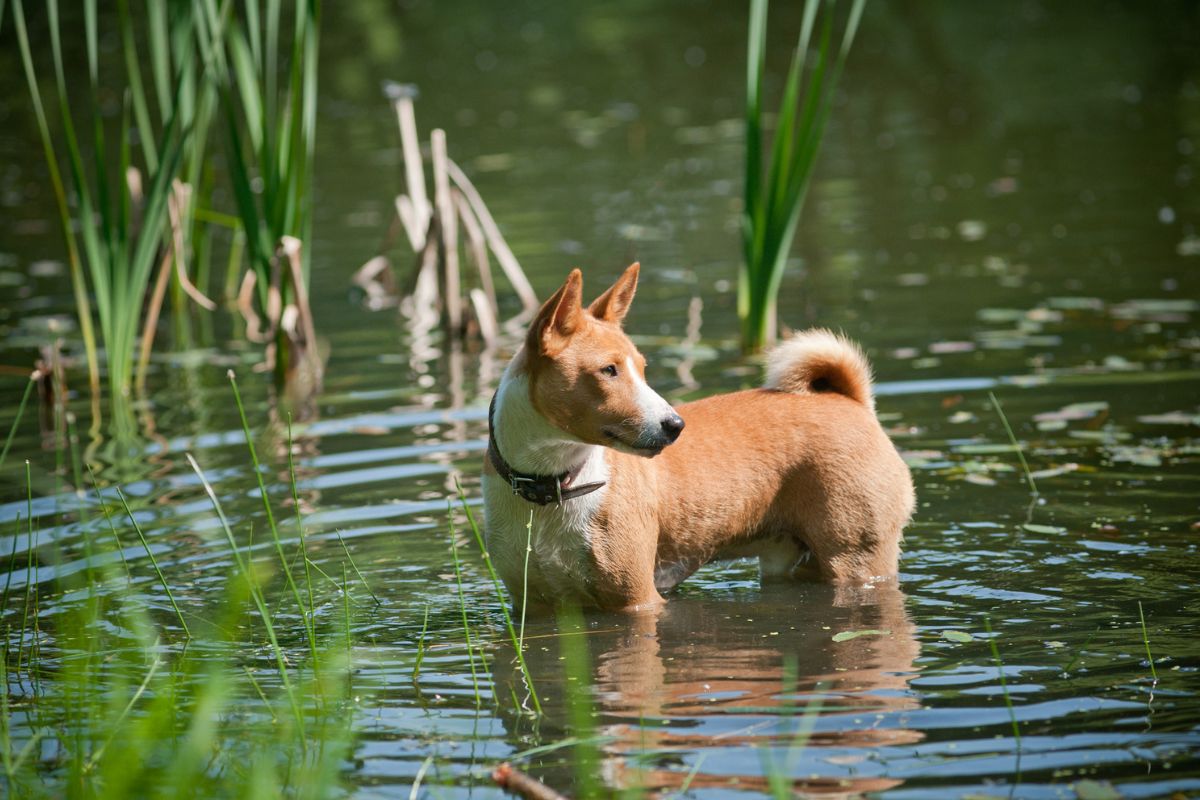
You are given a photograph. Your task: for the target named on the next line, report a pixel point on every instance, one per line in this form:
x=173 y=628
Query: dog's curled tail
x=817 y=361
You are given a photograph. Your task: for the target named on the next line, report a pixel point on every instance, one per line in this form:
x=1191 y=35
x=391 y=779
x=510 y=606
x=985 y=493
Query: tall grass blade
x=256 y=594
x=74 y=262
x=1012 y=438
x=1012 y=714
x=1146 y=642
x=775 y=190
x=362 y=578
x=525 y=577
x=162 y=579
x=462 y=603
x=421 y=646
x=12 y=431
x=312 y=608
x=115 y=727
x=266 y=501
x=499 y=588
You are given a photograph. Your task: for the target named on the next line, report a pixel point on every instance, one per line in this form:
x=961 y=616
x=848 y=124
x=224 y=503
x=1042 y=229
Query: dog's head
x=586 y=376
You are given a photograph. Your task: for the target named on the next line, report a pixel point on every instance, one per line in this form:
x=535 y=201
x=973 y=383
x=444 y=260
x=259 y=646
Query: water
x=1006 y=201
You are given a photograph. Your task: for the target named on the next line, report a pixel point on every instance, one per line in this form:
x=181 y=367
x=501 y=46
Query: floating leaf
x=979 y=480
x=1033 y=527
x=1096 y=790
x=845 y=636
x=1000 y=314
x=1076 y=303
x=1171 y=418
x=958 y=636
x=1108 y=435
x=1052 y=472
x=984 y=449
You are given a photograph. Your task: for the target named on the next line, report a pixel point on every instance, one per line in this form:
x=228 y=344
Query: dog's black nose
x=672 y=426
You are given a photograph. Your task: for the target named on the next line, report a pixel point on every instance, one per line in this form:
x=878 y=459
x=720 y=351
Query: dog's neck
x=526 y=439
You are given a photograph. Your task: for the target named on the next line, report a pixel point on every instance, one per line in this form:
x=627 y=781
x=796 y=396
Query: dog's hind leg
x=784 y=557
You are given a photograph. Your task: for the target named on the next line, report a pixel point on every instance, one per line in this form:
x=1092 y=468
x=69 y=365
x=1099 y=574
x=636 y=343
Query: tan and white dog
x=629 y=496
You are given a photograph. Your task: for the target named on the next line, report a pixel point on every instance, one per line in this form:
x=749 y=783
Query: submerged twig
x=515 y=782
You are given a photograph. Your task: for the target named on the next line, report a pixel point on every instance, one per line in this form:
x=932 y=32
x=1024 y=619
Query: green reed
x=776 y=185
x=270 y=126
x=113 y=236
x=121 y=713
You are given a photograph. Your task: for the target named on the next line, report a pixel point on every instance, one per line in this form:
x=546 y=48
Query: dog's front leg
x=623 y=558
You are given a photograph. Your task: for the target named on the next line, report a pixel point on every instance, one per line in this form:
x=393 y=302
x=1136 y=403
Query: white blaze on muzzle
x=652 y=408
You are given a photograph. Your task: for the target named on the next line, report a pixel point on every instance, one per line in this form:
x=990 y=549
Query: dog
x=597 y=492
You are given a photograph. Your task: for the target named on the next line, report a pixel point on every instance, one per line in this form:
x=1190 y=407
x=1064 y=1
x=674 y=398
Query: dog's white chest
x=560 y=564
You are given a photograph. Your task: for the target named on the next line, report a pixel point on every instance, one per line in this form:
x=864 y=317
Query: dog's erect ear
x=614 y=304
x=558 y=318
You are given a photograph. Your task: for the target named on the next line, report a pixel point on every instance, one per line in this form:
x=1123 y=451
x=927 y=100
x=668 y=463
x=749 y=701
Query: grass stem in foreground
x=525 y=576
x=1012 y=714
x=308 y=583
x=1012 y=437
x=1146 y=641
x=462 y=602
x=354 y=567
x=421 y=646
x=259 y=601
x=115 y=728
x=111 y=527
x=12 y=432
x=161 y=578
x=266 y=501
x=512 y=631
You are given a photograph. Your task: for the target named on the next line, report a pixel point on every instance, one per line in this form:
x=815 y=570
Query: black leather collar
x=539 y=489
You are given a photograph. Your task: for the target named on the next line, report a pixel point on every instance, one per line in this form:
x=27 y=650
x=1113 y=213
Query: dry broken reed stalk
x=437 y=286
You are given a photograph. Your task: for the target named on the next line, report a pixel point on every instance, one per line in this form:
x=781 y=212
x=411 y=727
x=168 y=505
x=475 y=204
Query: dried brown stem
x=451 y=279
x=508 y=262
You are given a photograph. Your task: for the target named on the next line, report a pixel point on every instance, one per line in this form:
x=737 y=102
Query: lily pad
x=845 y=636
x=984 y=449
x=957 y=636
x=1033 y=527
x=1096 y=790
x=1171 y=418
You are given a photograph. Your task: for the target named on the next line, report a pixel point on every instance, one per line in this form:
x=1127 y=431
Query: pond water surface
x=1008 y=200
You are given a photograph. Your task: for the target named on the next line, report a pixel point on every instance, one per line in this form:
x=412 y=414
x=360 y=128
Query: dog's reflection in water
x=739 y=682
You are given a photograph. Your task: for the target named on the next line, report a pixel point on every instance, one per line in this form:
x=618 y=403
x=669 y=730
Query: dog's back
x=799 y=474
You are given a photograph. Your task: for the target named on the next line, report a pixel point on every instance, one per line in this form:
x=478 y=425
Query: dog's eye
x=610 y=371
